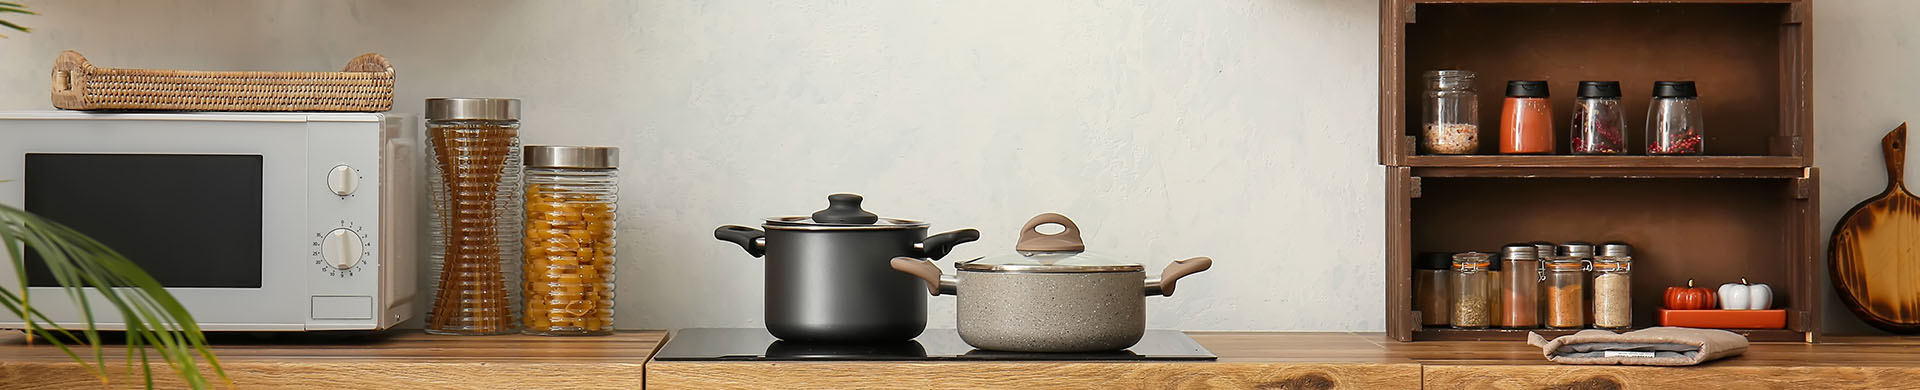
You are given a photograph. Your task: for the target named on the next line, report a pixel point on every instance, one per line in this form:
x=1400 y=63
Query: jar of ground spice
x=1450 y=112
x=1565 y=286
x=1526 y=119
x=571 y=196
x=1519 y=287
x=1599 y=123
x=1431 y=276
x=474 y=147
x=1472 y=305
x=1612 y=292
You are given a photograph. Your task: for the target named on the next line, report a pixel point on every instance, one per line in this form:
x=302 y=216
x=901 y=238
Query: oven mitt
x=1662 y=346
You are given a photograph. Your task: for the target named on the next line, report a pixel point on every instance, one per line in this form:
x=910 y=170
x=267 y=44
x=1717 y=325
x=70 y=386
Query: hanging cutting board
x=1874 y=256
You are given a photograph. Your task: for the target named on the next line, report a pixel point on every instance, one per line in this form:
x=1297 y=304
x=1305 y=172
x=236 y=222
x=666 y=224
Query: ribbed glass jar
x=474 y=149
x=572 y=193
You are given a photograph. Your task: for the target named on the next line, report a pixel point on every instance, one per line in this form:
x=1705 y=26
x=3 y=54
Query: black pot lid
x=843 y=212
x=1062 y=252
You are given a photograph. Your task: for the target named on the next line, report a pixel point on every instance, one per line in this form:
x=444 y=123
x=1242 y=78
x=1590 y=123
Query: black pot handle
x=753 y=240
x=939 y=245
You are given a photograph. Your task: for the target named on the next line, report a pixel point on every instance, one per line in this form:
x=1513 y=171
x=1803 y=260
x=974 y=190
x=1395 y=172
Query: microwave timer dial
x=341 y=251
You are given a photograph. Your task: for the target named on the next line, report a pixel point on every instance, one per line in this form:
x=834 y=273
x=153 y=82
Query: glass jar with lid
x=1450 y=113
x=572 y=195
x=1674 y=125
x=1431 y=277
x=473 y=149
x=1526 y=119
x=1612 y=292
x=1519 y=286
x=1472 y=305
x=1599 y=123
x=1565 y=285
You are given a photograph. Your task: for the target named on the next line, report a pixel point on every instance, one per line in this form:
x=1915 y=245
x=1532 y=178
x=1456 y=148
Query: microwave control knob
x=343 y=180
x=341 y=248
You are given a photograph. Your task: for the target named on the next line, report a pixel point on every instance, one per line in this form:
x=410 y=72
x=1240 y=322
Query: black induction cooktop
x=698 y=344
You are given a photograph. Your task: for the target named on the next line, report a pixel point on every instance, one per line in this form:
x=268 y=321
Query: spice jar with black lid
x=1674 y=125
x=1599 y=123
x=1526 y=119
x=1432 y=275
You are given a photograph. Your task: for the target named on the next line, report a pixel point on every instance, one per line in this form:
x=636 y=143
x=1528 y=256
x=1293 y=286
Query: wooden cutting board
x=1874 y=256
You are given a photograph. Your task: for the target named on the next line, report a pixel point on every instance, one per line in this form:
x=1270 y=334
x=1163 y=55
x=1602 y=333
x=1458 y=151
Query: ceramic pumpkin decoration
x=1689 y=297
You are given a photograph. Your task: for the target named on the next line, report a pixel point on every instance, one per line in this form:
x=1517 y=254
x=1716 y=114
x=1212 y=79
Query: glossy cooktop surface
x=696 y=344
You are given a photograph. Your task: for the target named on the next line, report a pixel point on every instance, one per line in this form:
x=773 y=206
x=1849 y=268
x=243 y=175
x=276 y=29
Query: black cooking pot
x=829 y=276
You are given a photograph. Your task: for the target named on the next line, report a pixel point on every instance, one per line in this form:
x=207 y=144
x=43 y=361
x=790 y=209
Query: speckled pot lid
x=1038 y=252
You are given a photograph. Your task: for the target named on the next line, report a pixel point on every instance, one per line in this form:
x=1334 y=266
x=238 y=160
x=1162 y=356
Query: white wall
x=1241 y=130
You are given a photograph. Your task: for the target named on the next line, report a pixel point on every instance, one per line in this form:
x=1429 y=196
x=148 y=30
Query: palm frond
x=14 y=8
x=81 y=264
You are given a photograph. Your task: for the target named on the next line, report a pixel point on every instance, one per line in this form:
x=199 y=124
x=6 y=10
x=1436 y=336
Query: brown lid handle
x=1032 y=240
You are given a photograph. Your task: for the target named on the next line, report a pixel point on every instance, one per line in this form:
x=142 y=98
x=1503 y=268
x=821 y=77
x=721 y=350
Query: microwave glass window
x=188 y=220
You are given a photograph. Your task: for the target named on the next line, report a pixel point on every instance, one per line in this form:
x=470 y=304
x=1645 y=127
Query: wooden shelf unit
x=1748 y=208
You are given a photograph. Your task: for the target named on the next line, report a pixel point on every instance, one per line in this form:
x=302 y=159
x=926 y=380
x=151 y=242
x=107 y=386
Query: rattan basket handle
x=370 y=62
x=69 y=79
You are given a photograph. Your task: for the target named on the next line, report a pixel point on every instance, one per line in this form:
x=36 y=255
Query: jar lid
x=560 y=156
x=1575 y=249
x=1433 y=260
x=1062 y=252
x=1616 y=249
x=486 y=109
x=1674 y=89
x=1599 y=89
x=1474 y=260
x=1527 y=89
x=843 y=212
x=1542 y=249
x=1524 y=252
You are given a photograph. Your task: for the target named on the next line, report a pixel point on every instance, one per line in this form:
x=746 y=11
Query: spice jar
x=1431 y=276
x=1472 y=306
x=571 y=198
x=1616 y=249
x=1599 y=124
x=1519 y=284
x=1674 y=126
x=1526 y=119
x=1612 y=292
x=1566 y=291
x=474 y=146
x=1494 y=276
x=1450 y=113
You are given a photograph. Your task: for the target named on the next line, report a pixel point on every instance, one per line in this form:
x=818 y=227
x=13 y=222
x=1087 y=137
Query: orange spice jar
x=1526 y=119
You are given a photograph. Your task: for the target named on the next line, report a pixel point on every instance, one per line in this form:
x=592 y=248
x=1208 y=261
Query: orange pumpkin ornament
x=1689 y=297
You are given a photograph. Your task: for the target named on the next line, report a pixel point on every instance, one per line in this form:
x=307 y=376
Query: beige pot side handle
x=1032 y=240
x=926 y=271
x=1163 y=285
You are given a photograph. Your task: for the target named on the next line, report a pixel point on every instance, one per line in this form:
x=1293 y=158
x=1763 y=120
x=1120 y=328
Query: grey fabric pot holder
x=1663 y=346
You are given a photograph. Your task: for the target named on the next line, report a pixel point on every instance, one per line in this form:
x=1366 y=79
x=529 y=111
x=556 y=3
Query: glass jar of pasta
x=570 y=203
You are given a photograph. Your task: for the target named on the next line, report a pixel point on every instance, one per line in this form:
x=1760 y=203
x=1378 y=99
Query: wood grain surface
x=1874 y=258
x=403 y=359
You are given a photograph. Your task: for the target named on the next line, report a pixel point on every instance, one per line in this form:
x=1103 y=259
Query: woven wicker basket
x=365 y=86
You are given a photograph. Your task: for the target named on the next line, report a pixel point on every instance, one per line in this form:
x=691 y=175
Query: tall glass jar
x=1450 y=113
x=1526 y=119
x=572 y=192
x=1599 y=123
x=1472 y=306
x=1565 y=285
x=474 y=146
x=1519 y=287
x=1674 y=126
x=1431 y=276
x=1612 y=292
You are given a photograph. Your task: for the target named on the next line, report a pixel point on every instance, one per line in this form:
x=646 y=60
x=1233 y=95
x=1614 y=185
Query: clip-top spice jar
x=1674 y=126
x=571 y=198
x=1526 y=119
x=1472 y=305
x=1450 y=113
x=1565 y=284
x=1612 y=292
x=1599 y=123
x=474 y=146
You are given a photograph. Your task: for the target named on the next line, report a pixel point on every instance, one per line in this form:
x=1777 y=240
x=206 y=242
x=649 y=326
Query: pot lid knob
x=1032 y=240
x=844 y=209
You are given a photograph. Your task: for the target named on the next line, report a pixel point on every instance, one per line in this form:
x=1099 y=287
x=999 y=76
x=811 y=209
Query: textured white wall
x=1241 y=130
x=1864 y=58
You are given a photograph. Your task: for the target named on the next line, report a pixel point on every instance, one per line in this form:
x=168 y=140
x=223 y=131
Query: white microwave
x=253 y=221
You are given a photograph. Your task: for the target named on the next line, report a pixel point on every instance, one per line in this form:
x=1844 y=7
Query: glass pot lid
x=1061 y=252
x=843 y=212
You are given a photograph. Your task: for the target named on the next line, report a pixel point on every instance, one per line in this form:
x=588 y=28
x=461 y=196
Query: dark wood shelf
x=1451 y=334
x=1605 y=161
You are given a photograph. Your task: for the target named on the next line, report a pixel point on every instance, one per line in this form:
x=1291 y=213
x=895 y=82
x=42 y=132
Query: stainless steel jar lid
x=1522 y=252
x=583 y=157
x=1616 y=249
x=1576 y=249
x=486 y=109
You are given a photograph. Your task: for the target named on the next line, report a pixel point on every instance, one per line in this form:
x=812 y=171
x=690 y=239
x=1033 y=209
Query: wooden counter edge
x=1029 y=375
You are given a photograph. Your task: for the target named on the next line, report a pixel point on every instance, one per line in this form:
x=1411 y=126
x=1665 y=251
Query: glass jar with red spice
x=1599 y=125
x=1674 y=127
x=1526 y=119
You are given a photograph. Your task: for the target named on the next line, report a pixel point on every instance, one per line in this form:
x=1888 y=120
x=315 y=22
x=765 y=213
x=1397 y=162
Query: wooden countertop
x=413 y=361
x=401 y=359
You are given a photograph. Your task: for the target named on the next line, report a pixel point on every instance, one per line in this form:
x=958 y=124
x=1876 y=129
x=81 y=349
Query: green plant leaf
x=15 y=26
